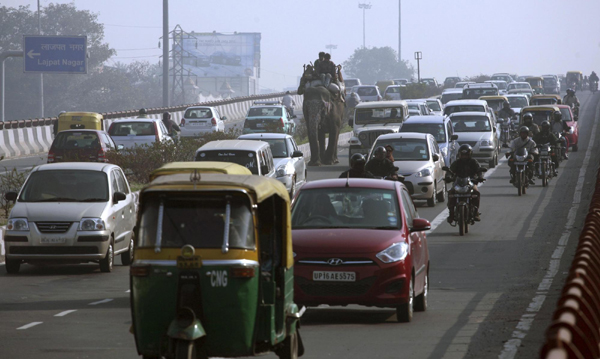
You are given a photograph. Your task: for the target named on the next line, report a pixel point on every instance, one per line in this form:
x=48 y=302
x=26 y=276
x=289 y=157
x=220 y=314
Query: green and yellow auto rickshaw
x=547 y=99
x=228 y=168
x=213 y=268
x=79 y=120
x=537 y=84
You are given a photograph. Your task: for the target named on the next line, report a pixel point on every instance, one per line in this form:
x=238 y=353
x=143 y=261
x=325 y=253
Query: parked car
x=451 y=94
x=254 y=155
x=81 y=146
x=199 y=120
x=368 y=93
x=71 y=213
x=419 y=159
x=288 y=160
x=569 y=119
x=268 y=118
x=360 y=241
x=131 y=132
x=440 y=128
x=392 y=93
x=477 y=129
x=372 y=119
x=475 y=91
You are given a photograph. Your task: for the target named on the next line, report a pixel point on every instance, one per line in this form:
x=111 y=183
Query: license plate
x=197 y=123
x=544 y=156
x=53 y=240
x=320 y=276
x=461 y=195
x=520 y=163
x=188 y=263
x=260 y=125
x=544 y=153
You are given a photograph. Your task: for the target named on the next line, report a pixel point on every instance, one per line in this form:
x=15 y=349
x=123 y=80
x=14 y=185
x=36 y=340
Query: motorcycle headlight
x=461 y=189
x=520 y=158
x=91 y=224
x=485 y=143
x=17 y=224
x=425 y=172
x=394 y=253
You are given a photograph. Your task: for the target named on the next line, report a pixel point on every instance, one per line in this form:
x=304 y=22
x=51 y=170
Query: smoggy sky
x=456 y=37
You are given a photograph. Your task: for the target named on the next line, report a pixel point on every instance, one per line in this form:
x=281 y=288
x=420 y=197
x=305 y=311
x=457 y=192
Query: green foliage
x=10 y=180
x=413 y=90
x=138 y=162
x=479 y=78
x=377 y=63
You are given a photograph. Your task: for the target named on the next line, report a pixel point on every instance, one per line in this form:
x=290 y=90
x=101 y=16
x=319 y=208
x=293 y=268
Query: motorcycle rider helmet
x=465 y=150
x=527 y=116
x=380 y=151
x=356 y=160
x=524 y=129
x=570 y=91
x=545 y=126
x=557 y=116
x=142 y=111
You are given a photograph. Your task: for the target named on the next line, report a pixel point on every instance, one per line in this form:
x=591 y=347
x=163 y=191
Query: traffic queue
x=228 y=250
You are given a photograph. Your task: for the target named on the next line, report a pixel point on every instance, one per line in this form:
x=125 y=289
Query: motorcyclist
x=142 y=113
x=464 y=166
x=289 y=103
x=357 y=168
x=546 y=136
x=379 y=165
x=594 y=80
x=528 y=121
x=559 y=126
x=570 y=99
x=171 y=126
x=523 y=141
x=506 y=112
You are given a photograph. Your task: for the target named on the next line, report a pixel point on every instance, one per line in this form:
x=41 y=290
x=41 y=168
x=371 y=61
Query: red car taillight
x=110 y=128
x=101 y=155
x=182 y=124
x=213 y=121
x=156 y=132
x=281 y=123
x=50 y=156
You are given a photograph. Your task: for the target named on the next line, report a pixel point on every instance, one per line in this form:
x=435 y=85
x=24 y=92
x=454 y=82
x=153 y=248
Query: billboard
x=222 y=55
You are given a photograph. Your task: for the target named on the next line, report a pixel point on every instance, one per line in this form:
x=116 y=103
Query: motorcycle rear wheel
x=544 y=176
x=519 y=184
x=462 y=221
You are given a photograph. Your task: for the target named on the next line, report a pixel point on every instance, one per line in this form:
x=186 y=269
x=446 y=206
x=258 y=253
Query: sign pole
x=165 y=57
x=3 y=57
x=41 y=74
x=418 y=57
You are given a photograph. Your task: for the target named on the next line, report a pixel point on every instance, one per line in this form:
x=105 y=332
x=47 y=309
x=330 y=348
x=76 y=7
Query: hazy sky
x=456 y=37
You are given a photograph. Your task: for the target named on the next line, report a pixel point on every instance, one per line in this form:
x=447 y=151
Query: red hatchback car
x=360 y=241
x=80 y=146
x=569 y=118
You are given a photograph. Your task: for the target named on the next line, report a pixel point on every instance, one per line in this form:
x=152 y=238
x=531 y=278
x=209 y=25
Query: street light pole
x=399 y=30
x=418 y=57
x=364 y=7
x=165 y=56
x=331 y=47
x=42 y=74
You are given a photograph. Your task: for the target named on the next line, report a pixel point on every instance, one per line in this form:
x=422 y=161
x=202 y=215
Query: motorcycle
x=462 y=190
x=544 y=165
x=505 y=131
x=594 y=86
x=522 y=173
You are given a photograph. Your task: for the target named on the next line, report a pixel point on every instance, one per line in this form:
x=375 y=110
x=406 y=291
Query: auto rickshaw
x=575 y=80
x=79 y=120
x=546 y=99
x=202 y=167
x=540 y=113
x=212 y=273
x=495 y=102
x=537 y=84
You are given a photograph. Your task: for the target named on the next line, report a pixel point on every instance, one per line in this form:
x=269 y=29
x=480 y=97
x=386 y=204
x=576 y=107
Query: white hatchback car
x=199 y=120
x=477 y=130
x=72 y=212
x=131 y=132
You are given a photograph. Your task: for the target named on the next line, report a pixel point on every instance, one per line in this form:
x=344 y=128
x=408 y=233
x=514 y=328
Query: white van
x=254 y=155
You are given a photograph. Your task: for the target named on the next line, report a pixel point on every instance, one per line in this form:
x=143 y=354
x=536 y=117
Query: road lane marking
x=27 y=326
x=512 y=345
x=101 y=301
x=62 y=314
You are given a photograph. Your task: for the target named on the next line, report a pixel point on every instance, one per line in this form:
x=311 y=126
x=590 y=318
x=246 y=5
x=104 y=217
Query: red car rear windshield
x=346 y=207
x=67 y=140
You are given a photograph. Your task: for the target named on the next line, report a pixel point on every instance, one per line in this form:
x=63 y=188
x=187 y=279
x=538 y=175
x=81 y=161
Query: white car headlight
x=394 y=253
x=91 y=224
x=17 y=224
x=485 y=143
x=425 y=172
x=281 y=172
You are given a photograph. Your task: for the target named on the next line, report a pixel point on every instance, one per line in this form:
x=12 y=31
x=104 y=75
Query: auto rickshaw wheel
x=290 y=347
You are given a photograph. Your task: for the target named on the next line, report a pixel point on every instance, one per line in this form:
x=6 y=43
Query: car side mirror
x=11 y=196
x=120 y=147
x=494 y=129
x=297 y=154
x=264 y=170
x=435 y=157
x=420 y=225
x=224 y=118
x=119 y=196
x=454 y=137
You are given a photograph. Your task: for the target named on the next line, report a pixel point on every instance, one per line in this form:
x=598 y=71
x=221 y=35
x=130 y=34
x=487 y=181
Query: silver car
x=288 y=160
x=71 y=213
x=131 y=132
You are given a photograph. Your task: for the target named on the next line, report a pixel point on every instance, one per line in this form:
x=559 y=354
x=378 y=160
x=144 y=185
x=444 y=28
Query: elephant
x=323 y=114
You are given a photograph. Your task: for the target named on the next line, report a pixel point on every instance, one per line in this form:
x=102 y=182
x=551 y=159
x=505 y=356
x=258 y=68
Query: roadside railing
x=575 y=328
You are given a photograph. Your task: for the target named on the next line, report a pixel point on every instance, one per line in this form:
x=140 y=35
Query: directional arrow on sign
x=31 y=54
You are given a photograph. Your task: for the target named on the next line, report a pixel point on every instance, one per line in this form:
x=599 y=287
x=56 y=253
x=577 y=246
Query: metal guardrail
x=575 y=328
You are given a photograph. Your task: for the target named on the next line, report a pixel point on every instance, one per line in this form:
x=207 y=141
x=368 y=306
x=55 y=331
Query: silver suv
x=71 y=213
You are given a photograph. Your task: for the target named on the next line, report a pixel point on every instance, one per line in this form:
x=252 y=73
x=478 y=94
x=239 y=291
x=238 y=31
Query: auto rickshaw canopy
x=202 y=167
x=535 y=81
x=80 y=120
x=556 y=98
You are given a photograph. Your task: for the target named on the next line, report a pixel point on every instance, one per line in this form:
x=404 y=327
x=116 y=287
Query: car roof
x=479 y=84
x=263 y=106
x=380 y=104
x=539 y=108
x=515 y=95
x=520 y=82
x=84 y=166
x=199 y=107
x=417 y=135
x=248 y=145
x=470 y=113
x=136 y=119
x=350 y=182
x=425 y=119
x=416 y=100
x=82 y=130
x=452 y=90
x=466 y=102
x=359 y=86
x=269 y=136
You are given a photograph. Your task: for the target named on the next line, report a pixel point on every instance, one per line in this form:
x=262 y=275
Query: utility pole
x=41 y=75
x=331 y=47
x=399 y=30
x=165 y=56
x=418 y=57
x=364 y=7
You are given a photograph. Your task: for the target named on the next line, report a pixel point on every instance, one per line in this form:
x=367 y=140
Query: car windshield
x=519 y=86
x=378 y=115
x=463 y=108
x=543 y=101
x=65 y=186
x=471 y=124
x=451 y=96
x=566 y=114
x=198 y=113
x=242 y=158
x=541 y=116
x=501 y=85
x=549 y=81
x=392 y=90
x=346 y=207
x=475 y=93
x=436 y=129
x=278 y=147
x=366 y=91
x=265 y=111
x=495 y=105
x=196 y=220
x=434 y=105
x=139 y=128
x=67 y=140
x=518 y=102
x=407 y=149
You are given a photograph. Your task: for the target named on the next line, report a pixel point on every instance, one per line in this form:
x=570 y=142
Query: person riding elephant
x=323 y=114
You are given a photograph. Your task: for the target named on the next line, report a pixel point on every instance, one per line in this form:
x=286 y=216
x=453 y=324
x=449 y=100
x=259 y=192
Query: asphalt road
x=492 y=294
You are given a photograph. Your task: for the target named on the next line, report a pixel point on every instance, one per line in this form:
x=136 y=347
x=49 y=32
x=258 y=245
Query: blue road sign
x=55 y=54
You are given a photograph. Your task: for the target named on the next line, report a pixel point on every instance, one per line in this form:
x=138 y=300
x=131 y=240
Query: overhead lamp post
x=418 y=57
x=41 y=74
x=364 y=7
x=165 y=57
x=331 y=47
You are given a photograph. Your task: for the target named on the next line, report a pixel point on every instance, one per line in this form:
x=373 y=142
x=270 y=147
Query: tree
x=377 y=63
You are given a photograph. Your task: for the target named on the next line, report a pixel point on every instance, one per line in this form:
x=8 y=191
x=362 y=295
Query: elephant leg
x=322 y=151
x=313 y=140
